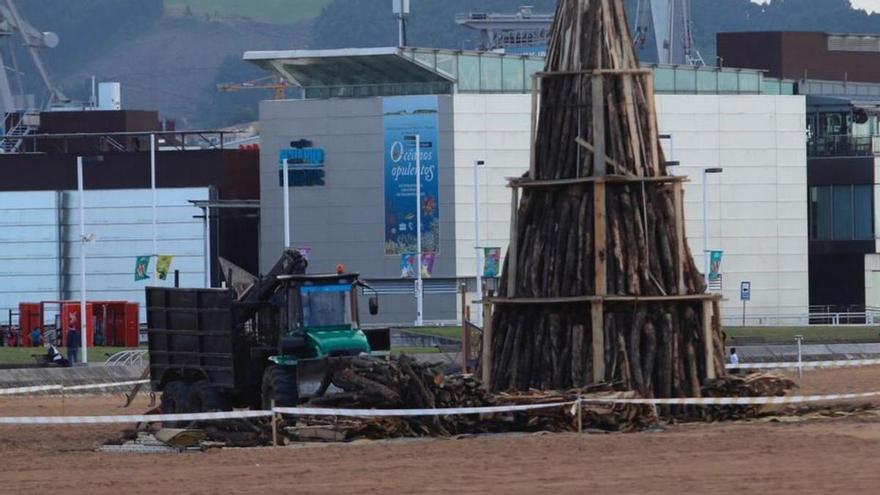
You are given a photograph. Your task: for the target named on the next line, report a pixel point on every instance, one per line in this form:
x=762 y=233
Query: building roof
x=385 y=71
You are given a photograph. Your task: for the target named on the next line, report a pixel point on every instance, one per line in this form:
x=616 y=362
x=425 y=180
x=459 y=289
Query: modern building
x=40 y=238
x=349 y=144
x=838 y=74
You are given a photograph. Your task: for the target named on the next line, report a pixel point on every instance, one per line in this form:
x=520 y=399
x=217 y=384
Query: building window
x=842 y=213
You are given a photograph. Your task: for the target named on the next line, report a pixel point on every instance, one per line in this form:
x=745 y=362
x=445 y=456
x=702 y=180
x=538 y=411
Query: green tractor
x=262 y=340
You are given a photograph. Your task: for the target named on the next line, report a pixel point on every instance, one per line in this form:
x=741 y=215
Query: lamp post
x=478 y=317
x=285 y=184
x=83 y=327
x=706 y=251
x=419 y=287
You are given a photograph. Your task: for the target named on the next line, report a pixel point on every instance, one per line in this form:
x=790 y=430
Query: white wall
x=758 y=205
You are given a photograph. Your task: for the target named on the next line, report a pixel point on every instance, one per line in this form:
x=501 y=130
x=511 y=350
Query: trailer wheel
x=175 y=401
x=205 y=397
x=279 y=383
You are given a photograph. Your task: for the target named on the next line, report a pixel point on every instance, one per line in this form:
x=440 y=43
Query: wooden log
x=511 y=251
x=708 y=340
x=600 y=283
x=486 y=358
x=597 y=328
x=598 y=124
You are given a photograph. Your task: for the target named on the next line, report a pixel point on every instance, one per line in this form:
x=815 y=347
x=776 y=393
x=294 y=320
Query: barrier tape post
x=580 y=414
x=274 y=425
x=800 y=341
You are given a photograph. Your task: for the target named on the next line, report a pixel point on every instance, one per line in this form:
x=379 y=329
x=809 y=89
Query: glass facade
x=842 y=213
x=681 y=79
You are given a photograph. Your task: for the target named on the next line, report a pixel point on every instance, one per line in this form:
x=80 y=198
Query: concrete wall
x=758 y=205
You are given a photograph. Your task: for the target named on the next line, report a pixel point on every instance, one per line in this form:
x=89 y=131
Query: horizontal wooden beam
x=605 y=299
x=519 y=182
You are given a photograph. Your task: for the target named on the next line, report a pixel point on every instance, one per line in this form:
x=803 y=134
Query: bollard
x=274 y=425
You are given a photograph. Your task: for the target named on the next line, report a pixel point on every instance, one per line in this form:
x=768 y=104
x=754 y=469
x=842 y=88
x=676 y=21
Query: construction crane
x=274 y=83
x=673 y=31
x=34 y=39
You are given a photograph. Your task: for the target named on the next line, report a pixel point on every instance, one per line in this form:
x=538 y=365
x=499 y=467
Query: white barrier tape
x=806 y=364
x=24 y=390
x=138 y=418
x=43 y=388
x=735 y=401
x=105 y=385
x=322 y=411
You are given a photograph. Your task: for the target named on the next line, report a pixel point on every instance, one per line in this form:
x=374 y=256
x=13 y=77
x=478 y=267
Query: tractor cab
x=320 y=320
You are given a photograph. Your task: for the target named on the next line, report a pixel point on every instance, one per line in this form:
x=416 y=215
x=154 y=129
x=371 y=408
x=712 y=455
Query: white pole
x=705 y=231
x=207 y=247
x=83 y=318
x=478 y=315
x=419 y=294
x=153 y=190
x=285 y=184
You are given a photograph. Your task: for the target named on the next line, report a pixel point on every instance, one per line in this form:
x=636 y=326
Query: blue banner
x=403 y=118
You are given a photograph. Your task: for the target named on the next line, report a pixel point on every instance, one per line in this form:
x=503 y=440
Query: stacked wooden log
x=402 y=382
x=598 y=228
x=748 y=385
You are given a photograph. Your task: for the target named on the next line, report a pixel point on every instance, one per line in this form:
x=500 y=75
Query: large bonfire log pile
x=598 y=283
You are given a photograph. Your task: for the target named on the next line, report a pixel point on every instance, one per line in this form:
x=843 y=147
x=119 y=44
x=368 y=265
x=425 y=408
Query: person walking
x=73 y=344
x=734 y=360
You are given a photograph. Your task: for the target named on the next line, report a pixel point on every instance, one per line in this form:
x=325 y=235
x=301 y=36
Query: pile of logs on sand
x=748 y=385
x=598 y=283
x=402 y=382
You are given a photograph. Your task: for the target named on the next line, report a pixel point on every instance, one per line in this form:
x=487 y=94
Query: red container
x=70 y=319
x=29 y=317
x=117 y=322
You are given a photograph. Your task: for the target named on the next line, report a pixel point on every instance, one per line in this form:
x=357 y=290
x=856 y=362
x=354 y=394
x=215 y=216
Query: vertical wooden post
x=598 y=125
x=600 y=285
x=597 y=313
x=708 y=341
x=679 y=236
x=653 y=137
x=274 y=424
x=465 y=332
x=534 y=127
x=486 y=359
x=511 y=250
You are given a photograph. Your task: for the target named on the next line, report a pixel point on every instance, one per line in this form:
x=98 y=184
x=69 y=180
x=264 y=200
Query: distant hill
x=169 y=55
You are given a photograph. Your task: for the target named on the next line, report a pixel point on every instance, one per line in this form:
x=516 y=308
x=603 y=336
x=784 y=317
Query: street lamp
x=706 y=251
x=419 y=287
x=478 y=317
x=84 y=239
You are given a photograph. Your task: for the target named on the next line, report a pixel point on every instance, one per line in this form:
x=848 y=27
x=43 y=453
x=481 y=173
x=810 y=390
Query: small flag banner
x=491 y=262
x=715 y=264
x=408 y=265
x=163 y=265
x=427 y=264
x=141 y=268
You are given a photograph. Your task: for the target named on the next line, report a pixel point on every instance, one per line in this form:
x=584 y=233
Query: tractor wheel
x=279 y=383
x=205 y=397
x=175 y=400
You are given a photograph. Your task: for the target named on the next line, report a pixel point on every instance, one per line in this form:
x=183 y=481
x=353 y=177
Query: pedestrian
x=734 y=360
x=36 y=337
x=73 y=344
x=53 y=357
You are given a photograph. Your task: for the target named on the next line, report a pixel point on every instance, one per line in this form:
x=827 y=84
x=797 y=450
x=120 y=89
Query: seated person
x=53 y=357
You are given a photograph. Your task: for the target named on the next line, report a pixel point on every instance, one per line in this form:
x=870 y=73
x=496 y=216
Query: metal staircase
x=12 y=141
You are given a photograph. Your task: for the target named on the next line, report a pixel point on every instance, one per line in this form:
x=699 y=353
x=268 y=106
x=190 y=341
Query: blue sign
x=403 y=118
x=305 y=165
x=745 y=291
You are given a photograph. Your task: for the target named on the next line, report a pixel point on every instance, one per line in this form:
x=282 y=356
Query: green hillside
x=273 y=11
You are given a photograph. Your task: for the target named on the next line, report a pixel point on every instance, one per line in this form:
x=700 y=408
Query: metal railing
x=864 y=318
x=846 y=145
x=133 y=357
